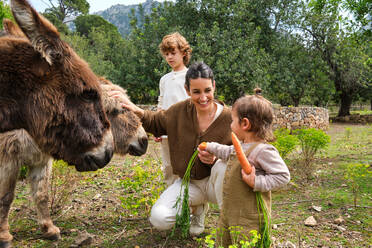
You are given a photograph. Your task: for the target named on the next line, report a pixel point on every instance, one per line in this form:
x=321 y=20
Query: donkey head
x=126 y=127
x=49 y=91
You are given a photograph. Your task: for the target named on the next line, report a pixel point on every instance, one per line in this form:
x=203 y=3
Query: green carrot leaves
x=182 y=202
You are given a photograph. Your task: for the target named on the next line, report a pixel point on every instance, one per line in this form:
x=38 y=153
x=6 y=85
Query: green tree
x=97 y=61
x=361 y=10
x=53 y=18
x=326 y=30
x=105 y=51
x=291 y=70
x=64 y=11
x=144 y=66
x=230 y=36
x=68 y=8
x=322 y=89
x=85 y=23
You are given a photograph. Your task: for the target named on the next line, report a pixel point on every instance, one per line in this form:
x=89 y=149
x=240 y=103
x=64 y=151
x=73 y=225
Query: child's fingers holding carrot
x=249 y=178
x=206 y=157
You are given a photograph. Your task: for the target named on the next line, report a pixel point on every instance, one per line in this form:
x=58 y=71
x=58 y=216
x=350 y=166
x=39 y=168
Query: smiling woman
x=187 y=124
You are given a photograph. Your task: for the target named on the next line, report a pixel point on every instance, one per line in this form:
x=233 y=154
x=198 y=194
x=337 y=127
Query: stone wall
x=356 y=118
x=301 y=117
x=292 y=117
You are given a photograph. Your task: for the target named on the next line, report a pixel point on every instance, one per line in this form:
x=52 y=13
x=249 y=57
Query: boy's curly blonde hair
x=173 y=41
x=259 y=112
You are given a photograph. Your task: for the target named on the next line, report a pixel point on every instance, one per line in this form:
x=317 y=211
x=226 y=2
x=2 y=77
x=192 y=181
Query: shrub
x=62 y=183
x=141 y=188
x=311 y=141
x=357 y=175
x=239 y=240
x=285 y=142
x=347 y=133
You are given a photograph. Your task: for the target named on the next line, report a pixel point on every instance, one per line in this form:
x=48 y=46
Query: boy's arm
x=276 y=173
x=220 y=151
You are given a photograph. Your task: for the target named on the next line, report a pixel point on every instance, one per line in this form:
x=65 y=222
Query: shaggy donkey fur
x=18 y=148
x=46 y=89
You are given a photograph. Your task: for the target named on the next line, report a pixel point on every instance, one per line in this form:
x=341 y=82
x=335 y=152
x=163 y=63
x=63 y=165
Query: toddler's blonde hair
x=258 y=111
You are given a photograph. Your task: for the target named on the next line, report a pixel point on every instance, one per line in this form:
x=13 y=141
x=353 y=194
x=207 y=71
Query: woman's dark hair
x=198 y=70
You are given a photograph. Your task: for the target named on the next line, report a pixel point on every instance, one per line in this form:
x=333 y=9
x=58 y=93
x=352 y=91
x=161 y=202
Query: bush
x=62 y=183
x=141 y=188
x=311 y=141
x=285 y=142
x=347 y=133
x=357 y=175
x=239 y=240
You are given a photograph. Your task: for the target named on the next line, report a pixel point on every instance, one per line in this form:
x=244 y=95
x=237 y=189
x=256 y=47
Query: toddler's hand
x=249 y=178
x=157 y=139
x=206 y=157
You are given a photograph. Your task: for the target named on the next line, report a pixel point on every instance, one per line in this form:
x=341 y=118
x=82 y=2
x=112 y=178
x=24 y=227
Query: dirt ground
x=98 y=204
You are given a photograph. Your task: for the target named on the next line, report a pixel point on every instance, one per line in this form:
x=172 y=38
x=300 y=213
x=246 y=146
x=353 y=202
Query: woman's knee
x=162 y=218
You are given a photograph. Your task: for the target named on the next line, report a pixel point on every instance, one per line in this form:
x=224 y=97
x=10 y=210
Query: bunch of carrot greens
x=182 y=201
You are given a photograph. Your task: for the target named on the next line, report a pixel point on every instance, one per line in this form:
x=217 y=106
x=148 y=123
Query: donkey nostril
x=144 y=143
x=108 y=156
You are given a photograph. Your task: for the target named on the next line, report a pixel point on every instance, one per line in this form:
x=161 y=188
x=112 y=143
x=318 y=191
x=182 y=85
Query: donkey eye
x=89 y=95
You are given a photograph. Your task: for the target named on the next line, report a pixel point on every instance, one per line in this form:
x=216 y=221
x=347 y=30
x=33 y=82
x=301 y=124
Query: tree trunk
x=346 y=100
x=296 y=102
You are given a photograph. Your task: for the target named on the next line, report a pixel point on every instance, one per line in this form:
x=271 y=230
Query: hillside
x=119 y=14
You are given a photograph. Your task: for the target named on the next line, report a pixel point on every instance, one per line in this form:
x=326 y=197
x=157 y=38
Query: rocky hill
x=119 y=14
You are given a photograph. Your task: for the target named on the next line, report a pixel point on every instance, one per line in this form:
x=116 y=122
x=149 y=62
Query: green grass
x=361 y=112
x=108 y=215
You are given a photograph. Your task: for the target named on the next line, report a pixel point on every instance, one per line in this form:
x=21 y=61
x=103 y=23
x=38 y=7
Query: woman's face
x=201 y=93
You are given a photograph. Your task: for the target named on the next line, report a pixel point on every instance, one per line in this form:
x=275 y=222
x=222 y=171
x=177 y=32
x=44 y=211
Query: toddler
x=252 y=118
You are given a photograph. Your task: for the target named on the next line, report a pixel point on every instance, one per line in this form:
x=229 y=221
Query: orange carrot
x=203 y=146
x=240 y=154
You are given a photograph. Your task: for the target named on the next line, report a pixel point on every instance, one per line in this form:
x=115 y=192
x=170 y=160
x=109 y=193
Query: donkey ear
x=11 y=28
x=43 y=36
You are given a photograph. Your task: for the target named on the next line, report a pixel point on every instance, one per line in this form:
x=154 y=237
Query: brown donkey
x=46 y=89
x=18 y=148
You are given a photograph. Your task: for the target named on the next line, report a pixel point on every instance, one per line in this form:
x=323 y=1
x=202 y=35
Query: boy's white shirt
x=172 y=89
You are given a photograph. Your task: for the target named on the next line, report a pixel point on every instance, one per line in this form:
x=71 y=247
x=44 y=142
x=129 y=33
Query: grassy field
x=113 y=204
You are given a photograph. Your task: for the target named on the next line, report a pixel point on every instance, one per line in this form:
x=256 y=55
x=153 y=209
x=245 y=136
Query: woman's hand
x=206 y=157
x=126 y=103
x=249 y=178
